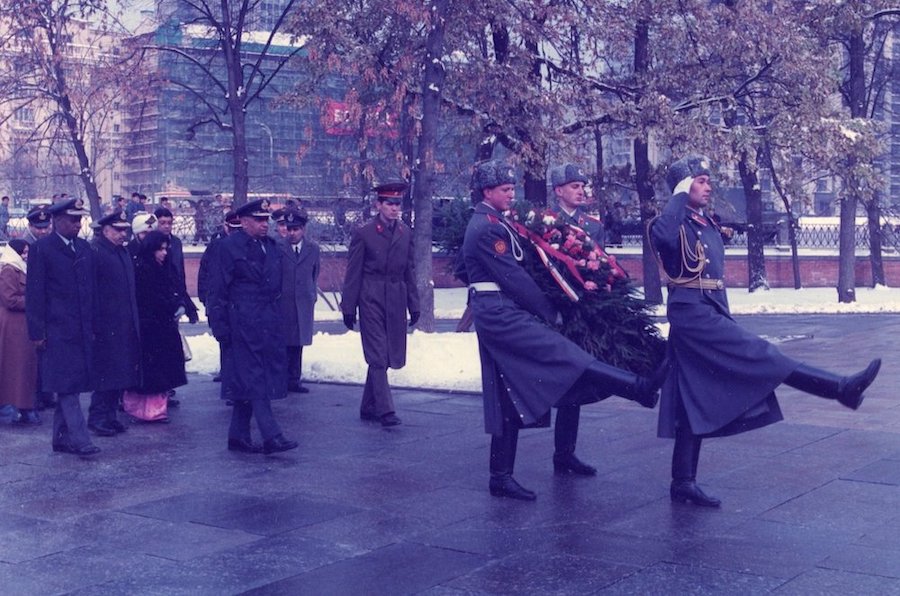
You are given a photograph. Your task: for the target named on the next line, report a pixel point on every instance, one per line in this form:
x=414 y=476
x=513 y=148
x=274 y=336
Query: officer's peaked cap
x=116 y=219
x=258 y=208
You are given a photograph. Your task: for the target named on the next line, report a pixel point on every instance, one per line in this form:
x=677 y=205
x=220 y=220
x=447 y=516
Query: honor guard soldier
x=568 y=181
x=527 y=367
x=117 y=348
x=722 y=378
x=59 y=302
x=380 y=283
x=245 y=319
x=300 y=267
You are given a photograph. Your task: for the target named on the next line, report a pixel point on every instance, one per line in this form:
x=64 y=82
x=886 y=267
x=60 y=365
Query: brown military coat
x=380 y=283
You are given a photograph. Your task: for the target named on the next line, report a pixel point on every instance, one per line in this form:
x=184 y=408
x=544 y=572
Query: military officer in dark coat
x=722 y=377
x=527 y=367
x=244 y=316
x=59 y=308
x=300 y=267
x=40 y=225
x=568 y=181
x=230 y=224
x=116 y=349
x=380 y=283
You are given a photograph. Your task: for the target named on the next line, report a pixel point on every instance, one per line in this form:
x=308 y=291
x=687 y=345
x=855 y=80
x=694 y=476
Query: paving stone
x=271 y=516
x=398 y=569
x=537 y=572
x=195 y=506
x=884 y=471
x=868 y=560
x=830 y=582
x=665 y=579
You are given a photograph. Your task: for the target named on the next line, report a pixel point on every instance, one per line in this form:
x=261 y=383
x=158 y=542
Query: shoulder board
x=592 y=218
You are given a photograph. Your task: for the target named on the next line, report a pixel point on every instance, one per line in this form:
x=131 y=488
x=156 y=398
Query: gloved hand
x=684 y=186
x=349 y=321
x=193 y=317
x=414 y=318
x=179 y=312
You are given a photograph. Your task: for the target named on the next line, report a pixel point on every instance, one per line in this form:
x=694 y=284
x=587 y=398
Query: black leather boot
x=642 y=390
x=503 y=457
x=847 y=390
x=565 y=437
x=685 y=457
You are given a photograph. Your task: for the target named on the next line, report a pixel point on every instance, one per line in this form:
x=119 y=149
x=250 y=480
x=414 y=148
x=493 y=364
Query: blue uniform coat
x=116 y=350
x=300 y=275
x=380 y=281
x=244 y=314
x=522 y=356
x=722 y=378
x=59 y=308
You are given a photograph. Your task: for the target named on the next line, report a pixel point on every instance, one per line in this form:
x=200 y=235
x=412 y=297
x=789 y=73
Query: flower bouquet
x=601 y=310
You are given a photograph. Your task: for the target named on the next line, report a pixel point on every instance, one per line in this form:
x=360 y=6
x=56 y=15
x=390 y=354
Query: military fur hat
x=567 y=173
x=690 y=165
x=492 y=173
x=143 y=222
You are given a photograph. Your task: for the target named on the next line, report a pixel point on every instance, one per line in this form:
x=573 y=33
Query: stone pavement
x=811 y=505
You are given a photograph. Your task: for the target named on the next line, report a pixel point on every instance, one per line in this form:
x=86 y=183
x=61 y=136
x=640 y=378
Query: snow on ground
x=449 y=361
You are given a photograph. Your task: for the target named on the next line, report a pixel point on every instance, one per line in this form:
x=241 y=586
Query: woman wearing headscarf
x=159 y=307
x=18 y=358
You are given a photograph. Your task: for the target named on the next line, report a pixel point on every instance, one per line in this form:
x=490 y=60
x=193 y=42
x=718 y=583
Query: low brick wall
x=815 y=270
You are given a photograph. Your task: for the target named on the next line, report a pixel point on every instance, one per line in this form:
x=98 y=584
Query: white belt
x=484 y=286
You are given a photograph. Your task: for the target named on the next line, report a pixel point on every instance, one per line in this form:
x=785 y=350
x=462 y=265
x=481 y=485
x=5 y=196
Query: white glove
x=684 y=186
x=179 y=313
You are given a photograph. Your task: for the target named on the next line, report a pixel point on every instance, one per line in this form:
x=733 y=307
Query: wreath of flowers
x=602 y=310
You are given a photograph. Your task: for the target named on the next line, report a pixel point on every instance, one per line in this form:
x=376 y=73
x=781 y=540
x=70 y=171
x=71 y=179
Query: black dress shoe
x=102 y=429
x=28 y=418
x=390 y=419
x=117 y=426
x=278 y=443
x=367 y=416
x=83 y=451
x=684 y=491
x=569 y=464
x=506 y=486
x=297 y=388
x=244 y=446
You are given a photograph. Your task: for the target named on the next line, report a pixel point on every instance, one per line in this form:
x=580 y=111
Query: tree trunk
x=873 y=213
x=857 y=94
x=599 y=189
x=432 y=87
x=642 y=169
x=756 y=260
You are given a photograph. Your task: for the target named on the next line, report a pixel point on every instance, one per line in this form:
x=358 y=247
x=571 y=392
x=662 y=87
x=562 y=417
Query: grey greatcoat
x=723 y=377
x=380 y=282
x=591 y=224
x=522 y=357
x=59 y=308
x=300 y=275
x=244 y=315
x=117 y=348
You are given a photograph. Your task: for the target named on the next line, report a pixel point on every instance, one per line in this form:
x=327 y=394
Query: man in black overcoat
x=300 y=267
x=116 y=352
x=245 y=318
x=59 y=308
x=204 y=274
x=380 y=283
x=40 y=225
x=722 y=378
x=527 y=367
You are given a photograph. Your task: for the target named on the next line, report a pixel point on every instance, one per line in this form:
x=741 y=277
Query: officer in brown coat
x=380 y=283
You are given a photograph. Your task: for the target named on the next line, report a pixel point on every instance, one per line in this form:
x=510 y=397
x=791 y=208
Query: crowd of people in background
x=103 y=317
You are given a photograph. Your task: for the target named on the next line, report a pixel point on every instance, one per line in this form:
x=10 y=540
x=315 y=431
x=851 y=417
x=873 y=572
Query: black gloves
x=414 y=318
x=349 y=320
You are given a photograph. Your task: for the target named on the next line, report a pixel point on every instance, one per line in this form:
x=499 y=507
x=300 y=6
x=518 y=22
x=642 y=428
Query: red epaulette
x=697 y=218
x=592 y=218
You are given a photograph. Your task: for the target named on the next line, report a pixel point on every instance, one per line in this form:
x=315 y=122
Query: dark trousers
x=504 y=447
x=377 y=398
x=244 y=410
x=103 y=406
x=295 y=364
x=566 y=429
x=69 y=427
x=685 y=455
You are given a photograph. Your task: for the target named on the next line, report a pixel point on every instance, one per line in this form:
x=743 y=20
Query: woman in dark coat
x=158 y=300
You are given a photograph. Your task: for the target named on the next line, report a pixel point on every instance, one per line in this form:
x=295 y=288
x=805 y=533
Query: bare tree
x=247 y=56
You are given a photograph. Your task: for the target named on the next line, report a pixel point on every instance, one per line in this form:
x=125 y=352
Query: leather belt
x=484 y=286
x=697 y=283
